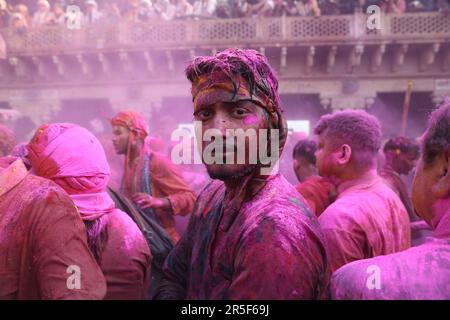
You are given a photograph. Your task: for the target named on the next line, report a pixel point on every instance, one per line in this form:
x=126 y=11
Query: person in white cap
x=93 y=15
x=44 y=16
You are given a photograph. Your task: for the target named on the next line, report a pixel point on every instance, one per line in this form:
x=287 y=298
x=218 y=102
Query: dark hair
x=97 y=235
x=357 y=128
x=306 y=149
x=436 y=139
x=405 y=145
x=249 y=64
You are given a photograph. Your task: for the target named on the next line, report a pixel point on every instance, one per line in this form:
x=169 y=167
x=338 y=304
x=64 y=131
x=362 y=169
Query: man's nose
x=221 y=123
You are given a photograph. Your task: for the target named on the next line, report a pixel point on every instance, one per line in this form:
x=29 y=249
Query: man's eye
x=239 y=111
x=203 y=115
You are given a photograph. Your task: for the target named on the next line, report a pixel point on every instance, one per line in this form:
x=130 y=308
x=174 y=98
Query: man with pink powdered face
x=251 y=235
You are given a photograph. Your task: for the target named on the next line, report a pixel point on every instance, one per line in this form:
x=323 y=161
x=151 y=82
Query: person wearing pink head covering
x=44 y=254
x=74 y=159
x=251 y=235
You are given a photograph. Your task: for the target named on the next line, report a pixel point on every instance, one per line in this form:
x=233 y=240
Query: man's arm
x=173 y=285
x=167 y=180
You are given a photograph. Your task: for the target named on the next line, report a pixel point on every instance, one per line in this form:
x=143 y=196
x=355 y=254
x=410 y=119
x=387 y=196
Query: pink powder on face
x=251 y=120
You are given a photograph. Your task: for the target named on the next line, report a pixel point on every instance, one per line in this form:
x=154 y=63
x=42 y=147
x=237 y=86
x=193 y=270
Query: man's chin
x=226 y=172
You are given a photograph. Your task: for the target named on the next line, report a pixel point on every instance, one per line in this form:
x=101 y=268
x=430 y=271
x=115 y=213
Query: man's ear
x=441 y=189
x=343 y=154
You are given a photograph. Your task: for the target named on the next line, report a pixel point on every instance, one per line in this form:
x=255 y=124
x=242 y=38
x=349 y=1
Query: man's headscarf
x=240 y=75
x=133 y=121
x=74 y=159
x=7 y=141
x=138 y=127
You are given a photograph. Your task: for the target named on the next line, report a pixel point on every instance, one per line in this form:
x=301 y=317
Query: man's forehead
x=219 y=104
x=120 y=128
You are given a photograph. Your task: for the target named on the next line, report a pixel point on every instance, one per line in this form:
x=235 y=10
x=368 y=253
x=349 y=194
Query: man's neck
x=135 y=150
x=232 y=185
x=355 y=178
x=441 y=220
x=389 y=167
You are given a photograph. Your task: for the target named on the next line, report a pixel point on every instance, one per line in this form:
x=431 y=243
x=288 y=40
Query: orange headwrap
x=138 y=128
x=133 y=121
x=219 y=87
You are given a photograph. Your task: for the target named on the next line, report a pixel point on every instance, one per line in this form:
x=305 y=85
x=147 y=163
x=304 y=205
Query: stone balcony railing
x=210 y=34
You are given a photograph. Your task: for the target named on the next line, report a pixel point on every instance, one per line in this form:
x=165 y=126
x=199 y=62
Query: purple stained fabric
x=421 y=272
x=271 y=249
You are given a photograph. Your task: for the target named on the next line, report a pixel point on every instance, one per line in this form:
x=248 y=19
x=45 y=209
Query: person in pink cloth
x=422 y=272
x=43 y=250
x=367 y=219
x=74 y=159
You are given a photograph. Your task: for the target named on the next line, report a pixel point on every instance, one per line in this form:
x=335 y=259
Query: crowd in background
x=25 y=14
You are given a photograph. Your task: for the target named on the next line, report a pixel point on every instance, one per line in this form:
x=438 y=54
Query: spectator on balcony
x=259 y=8
x=443 y=6
x=5 y=15
x=283 y=8
x=350 y=6
x=168 y=9
x=307 y=8
x=393 y=6
x=421 y=6
x=93 y=15
x=44 y=16
x=238 y=8
x=112 y=12
x=182 y=8
x=205 y=8
x=145 y=11
x=328 y=7
x=224 y=9
x=19 y=23
x=131 y=10
x=23 y=10
x=59 y=14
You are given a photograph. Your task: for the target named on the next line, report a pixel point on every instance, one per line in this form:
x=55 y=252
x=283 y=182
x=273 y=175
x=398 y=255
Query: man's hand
x=146 y=201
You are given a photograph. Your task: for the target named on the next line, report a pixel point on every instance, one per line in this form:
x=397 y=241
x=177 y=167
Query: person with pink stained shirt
x=251 y=235
x=74 y=159
x=401 y=155
x=421 y=272
x=43 y=243
x=150 y=179
x=367 y=219
x=318 y=191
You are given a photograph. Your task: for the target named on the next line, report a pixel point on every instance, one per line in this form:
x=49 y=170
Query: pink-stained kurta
x=166 y=181
x=41 y=235
x=125 y=259
x=123 y=253
x=272 y=249
x=318 y=192
x=367 y=219
x=421 y=272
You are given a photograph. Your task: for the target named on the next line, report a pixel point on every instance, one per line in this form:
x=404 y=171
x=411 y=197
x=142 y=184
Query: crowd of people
x=251 y=235
x=25 y=14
